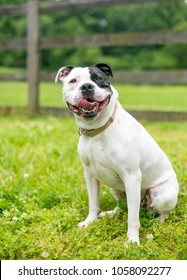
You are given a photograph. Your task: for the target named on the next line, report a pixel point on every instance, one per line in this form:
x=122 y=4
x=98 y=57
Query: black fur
x=100 y=74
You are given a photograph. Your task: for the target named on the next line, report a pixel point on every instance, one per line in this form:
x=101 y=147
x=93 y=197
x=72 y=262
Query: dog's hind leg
x=164 y=197
x=118 y=195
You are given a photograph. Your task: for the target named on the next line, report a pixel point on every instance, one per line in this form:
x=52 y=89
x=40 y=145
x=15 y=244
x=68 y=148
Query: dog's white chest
x=98 y=160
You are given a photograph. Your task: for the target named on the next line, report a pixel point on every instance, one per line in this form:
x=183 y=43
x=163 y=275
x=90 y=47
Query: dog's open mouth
x=88 y=108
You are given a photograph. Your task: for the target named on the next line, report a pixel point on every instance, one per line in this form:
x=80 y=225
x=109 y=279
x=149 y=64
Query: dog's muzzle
x=88 y=108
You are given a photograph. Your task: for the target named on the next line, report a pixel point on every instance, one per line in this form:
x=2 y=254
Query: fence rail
x=85 y=4
x=16 y=10
x=138 y=77
x=103 y=40
x=150 y=115
x=118 y=39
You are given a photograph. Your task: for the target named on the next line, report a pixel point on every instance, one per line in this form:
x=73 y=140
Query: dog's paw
x=131 y=242
x=83 y=224
x=129 y=245
x=106 y=213
x=91 y=217
x=133 y=238
x=110 y=213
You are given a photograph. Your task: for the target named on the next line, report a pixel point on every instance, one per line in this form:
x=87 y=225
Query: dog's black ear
x=63 y=72
x=105 y=68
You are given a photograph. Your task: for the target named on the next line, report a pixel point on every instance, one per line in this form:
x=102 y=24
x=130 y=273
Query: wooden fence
x=35 y=42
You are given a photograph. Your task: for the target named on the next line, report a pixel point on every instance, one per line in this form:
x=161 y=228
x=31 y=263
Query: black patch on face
x=99 y=78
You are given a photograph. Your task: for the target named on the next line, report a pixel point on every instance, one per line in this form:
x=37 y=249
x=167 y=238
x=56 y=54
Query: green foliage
x=125 y=18
x=43 y=197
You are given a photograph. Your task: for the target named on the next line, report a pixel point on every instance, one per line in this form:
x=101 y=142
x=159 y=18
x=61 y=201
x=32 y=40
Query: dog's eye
x=99 y=79
x=72 y=81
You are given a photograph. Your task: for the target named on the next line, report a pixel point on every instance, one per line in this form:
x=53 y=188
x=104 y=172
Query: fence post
x=33 y=34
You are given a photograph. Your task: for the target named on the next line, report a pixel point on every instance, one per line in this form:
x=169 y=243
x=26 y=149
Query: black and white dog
x=115 y=149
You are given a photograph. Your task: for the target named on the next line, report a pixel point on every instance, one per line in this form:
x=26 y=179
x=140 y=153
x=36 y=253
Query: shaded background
x=154 y=51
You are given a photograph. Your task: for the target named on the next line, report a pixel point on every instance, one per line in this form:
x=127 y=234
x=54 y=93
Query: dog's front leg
x=93 y=188
x=132 y=181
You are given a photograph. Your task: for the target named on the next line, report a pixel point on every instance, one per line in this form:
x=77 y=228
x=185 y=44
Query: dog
x=116 y=149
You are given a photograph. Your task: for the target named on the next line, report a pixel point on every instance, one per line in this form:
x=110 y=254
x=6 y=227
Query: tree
x=125 y=18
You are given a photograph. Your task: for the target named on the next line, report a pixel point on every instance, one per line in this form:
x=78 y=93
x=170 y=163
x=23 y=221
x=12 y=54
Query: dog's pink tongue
x=86 y=104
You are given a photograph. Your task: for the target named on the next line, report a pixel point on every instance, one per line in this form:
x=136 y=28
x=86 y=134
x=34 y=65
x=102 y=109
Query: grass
x=154 y=97
x=43 y=197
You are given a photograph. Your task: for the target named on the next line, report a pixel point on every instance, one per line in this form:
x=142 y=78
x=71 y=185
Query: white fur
x=124 y=157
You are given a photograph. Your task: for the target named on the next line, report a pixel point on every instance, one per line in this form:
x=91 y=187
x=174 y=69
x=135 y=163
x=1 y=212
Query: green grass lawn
x=43 y=196
x=155 y=97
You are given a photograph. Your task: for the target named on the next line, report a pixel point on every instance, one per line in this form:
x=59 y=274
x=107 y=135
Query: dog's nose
x=87 y=88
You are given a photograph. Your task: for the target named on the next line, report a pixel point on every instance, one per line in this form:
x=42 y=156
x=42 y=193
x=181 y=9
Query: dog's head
x=87 y=91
